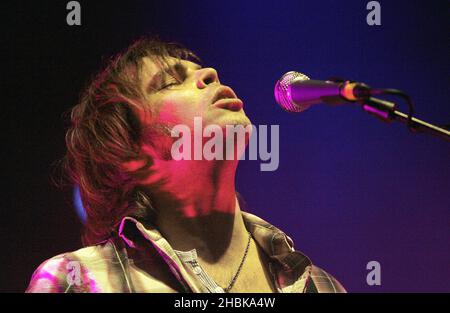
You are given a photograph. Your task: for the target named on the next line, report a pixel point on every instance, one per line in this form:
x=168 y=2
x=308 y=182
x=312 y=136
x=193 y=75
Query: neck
x=198 y=208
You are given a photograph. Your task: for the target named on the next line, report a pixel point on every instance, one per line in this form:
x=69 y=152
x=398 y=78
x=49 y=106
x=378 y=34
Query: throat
x=247 y=272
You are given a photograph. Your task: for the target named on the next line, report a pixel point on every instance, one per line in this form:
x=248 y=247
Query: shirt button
x=197 y=270
x=218 y=290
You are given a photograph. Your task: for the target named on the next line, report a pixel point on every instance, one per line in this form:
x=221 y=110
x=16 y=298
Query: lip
x=225 y=98
x=232 y=104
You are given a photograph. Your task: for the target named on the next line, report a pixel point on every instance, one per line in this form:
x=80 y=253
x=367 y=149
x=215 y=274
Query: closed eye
x=175 y=76
x=169 y=77
x=170 y=81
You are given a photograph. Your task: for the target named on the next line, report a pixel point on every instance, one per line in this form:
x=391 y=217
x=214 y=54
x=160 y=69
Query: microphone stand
x=385 y=111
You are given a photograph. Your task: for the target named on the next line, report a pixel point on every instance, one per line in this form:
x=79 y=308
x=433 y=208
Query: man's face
x=189 y=91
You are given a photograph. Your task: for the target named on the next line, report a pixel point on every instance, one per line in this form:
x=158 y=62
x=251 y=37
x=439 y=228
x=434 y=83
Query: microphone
x=295 y=92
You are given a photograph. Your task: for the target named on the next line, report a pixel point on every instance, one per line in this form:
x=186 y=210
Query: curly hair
x=105 y=133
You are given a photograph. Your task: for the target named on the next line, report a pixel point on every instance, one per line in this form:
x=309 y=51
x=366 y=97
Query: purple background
x=349 y=188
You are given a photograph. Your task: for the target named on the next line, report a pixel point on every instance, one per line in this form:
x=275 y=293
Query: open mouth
x=225 y=98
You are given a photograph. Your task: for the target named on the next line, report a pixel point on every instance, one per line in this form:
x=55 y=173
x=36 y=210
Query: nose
x=206 y=76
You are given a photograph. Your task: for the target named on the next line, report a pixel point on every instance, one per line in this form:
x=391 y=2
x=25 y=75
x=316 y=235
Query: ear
x=139 y=168
x=134 y=165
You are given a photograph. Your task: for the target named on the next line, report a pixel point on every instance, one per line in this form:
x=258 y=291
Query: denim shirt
x=140 y=259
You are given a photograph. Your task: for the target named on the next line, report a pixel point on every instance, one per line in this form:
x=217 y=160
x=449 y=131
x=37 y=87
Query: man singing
x=156 y=223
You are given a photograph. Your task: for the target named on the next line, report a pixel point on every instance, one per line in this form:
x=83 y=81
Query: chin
x=232 y=118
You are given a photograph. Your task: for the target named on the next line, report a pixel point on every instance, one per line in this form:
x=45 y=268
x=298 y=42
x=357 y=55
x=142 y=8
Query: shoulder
x=70 y=271
x=323 y=282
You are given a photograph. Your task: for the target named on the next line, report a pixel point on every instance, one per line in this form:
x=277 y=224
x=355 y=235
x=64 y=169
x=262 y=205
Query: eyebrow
x=177 y=68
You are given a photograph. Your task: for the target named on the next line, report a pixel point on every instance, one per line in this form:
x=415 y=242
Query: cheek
x=170 y=114
x=179 y=110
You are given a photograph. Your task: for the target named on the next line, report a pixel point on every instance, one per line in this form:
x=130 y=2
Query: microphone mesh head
x=283 y=93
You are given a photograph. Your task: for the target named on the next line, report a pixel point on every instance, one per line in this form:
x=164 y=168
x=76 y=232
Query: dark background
x=349 y=189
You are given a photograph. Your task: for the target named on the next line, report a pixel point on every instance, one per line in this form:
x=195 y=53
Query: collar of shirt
x=291 y=269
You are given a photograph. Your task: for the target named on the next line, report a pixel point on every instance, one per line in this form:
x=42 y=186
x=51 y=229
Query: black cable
x=406 y=97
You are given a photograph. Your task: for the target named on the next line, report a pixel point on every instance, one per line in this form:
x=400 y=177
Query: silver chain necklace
x=233 y=280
